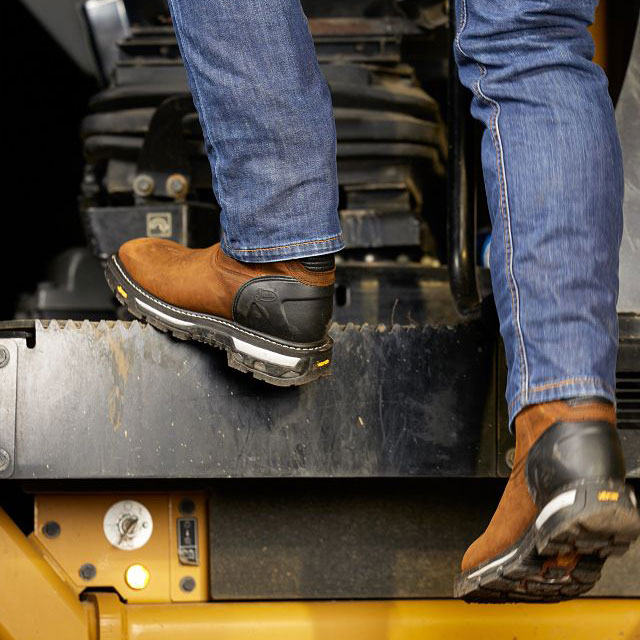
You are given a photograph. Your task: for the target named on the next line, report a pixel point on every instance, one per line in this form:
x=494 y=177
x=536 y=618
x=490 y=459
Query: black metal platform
x=121 y=400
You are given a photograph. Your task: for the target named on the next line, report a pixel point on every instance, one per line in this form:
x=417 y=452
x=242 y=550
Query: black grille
x=628 y=399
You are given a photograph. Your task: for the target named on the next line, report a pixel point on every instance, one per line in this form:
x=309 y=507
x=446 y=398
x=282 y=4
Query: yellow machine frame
x=38 y=602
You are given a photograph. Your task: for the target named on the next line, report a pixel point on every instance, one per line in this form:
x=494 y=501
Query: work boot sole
x=562 y=553
x=275 y=361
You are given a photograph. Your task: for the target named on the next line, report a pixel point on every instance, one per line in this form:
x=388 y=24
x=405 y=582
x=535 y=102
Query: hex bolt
x=5 y=459
x=187 y=584
x=177 y=185
x=186 y=506
x=509 y=457
x=87 y=571
x=4 y=356
x=143 y=185
x=51 y=529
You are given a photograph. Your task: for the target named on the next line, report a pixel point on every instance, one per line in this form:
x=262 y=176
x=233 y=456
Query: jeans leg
x=553 y=175
x=266 y=114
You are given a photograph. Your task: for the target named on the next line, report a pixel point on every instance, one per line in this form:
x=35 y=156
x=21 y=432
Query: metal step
x=121 y=400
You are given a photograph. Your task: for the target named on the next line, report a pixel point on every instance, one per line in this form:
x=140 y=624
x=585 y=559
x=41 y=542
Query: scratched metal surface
x=121 y=400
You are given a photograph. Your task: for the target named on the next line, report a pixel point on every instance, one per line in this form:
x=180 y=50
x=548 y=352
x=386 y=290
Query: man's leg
x=265 y=294
x=267 y=118
x=553 y=175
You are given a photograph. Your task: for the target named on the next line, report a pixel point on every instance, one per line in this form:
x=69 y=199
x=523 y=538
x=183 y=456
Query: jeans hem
x=560 y=390
x=291 y=251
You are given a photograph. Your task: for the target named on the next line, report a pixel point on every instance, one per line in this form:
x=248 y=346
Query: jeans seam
x=293 y=244
x=553 y=384
x=504 y=208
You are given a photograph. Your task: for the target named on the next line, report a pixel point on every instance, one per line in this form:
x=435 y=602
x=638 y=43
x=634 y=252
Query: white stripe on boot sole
x=264 y=354
x=164 y=316
x=495 y=563
x=561 y=501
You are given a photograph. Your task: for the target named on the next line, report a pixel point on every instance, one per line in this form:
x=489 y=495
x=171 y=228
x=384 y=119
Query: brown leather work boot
x=564 y=510
x=272 y=318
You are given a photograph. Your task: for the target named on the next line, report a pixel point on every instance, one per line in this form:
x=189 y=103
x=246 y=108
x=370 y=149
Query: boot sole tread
x=117 y=280
x=560 y=565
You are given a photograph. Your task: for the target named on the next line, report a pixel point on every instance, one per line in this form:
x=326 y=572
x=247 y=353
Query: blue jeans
x=550 y=154
x=266 y=114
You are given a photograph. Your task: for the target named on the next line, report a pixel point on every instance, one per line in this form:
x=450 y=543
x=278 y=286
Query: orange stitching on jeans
x=503 y=214
x=504 y=205
x=286 y=246
x=562 y=383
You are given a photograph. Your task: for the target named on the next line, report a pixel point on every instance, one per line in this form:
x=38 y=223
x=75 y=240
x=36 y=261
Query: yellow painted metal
x=599 y=33
x=82 y=540
x=396 y=620
x=35 y=604
x=111 y=616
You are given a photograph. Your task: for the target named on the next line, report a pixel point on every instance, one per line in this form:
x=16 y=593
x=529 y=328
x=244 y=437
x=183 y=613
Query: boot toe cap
x=143 y=254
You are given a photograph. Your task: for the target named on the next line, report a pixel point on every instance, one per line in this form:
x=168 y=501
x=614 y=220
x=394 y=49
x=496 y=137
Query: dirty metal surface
x=8 y=371
x=121 y=400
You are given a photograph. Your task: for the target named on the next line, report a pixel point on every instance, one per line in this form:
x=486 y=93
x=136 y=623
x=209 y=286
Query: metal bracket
x=8 y=386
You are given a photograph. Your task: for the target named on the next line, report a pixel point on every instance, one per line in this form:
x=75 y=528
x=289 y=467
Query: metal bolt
x=51 y=529
x=177 y=185
x=4 y=356
x=187 y=584
x=143 y=185
x=509 y=457
x=87 y=571
x=5 y=459
x=186 y=506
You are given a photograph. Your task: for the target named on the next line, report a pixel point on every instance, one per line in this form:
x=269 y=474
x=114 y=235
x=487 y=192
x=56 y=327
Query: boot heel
x=591 y=518
x=276 y=366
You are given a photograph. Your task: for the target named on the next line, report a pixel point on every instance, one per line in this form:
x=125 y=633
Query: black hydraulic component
x=163 y=164
x=193 y=224
x=391 y=142
x=75 y=289
x=461 y=223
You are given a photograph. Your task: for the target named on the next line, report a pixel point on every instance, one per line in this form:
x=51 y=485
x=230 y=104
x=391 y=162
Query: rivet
x=187 y=584
x=87 y=571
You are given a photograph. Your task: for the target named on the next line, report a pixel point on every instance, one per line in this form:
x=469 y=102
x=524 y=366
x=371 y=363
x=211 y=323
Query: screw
x=87 y=571
x=51 y=529
x=177 y=185
x=186 y=506
x=5 y=459
x=187 y=584
x=509 y=457
x=4 y=356
x=143 y=185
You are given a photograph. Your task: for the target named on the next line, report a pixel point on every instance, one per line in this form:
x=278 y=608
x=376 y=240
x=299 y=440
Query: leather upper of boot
x=203 y=280
x=517 y=510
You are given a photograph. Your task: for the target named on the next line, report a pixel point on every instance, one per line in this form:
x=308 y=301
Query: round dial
x=128 y=525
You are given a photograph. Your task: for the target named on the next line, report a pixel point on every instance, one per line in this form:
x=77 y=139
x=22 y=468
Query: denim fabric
x=553 y=175
x=266 y=114
x=550 y=153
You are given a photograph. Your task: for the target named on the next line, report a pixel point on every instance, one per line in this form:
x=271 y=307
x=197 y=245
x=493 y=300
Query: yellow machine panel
x=128 y=542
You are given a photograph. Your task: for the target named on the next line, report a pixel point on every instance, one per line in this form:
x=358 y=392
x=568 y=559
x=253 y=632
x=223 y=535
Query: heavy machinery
x=150 y=492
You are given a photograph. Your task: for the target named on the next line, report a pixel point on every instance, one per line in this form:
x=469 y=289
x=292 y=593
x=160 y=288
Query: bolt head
x=87 y=571
x=5 y=459
x=5 y=356
x=187 y=584
x=51 y=529
x=143 y=185
x=177 y=185
x=186 y=506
